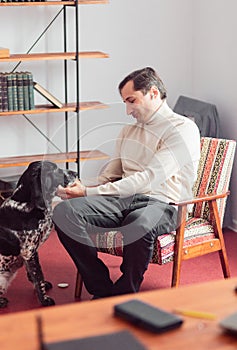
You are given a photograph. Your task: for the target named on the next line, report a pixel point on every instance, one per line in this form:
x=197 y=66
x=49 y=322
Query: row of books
x=16 y=91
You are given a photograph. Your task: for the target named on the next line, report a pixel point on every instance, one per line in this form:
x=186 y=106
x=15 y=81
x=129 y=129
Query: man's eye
x=132 y=101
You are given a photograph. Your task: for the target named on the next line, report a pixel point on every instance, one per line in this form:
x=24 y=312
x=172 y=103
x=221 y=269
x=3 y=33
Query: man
x=155 y=163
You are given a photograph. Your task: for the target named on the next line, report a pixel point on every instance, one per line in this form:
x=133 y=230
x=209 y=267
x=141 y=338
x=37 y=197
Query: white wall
x=214 y=71
x=135 y=34
x=191 y=43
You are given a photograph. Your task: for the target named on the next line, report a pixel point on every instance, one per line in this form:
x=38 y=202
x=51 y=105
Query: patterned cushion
x=109 y=242
x=214 y=171
x=196 y=231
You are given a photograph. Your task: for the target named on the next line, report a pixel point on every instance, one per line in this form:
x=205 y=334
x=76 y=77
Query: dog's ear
x=36 y=193
x=29 y=186
x=9 y=243
x=42 y=183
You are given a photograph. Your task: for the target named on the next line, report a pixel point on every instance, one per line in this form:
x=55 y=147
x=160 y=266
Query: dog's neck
x=24 y=205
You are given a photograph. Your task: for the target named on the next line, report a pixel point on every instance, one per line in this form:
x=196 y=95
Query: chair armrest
x=205 y=198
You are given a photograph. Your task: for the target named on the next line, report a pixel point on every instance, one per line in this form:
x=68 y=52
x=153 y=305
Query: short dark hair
x=143 y=79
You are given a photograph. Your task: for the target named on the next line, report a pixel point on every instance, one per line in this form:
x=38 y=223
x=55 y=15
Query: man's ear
x=154 y=92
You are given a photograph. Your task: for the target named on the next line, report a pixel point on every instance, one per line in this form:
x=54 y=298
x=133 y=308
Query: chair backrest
x=214 y=172
x=203 y=113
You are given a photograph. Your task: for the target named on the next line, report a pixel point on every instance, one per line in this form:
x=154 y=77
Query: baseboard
x=233 y=226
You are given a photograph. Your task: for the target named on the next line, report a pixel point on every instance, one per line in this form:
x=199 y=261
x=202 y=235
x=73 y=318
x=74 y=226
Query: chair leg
x=178 y=247
x=219 y=234
x=79 y=284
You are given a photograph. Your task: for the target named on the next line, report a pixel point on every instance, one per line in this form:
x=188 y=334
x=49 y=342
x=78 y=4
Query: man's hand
x=72 y=191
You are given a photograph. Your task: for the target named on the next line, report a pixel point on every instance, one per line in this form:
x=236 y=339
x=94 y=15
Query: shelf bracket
x=41 y=132
x=39 y=37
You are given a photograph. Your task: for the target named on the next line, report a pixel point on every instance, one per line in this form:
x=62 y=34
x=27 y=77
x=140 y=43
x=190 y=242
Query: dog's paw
x=48 y=285
x=48 y=301
x=3 y=302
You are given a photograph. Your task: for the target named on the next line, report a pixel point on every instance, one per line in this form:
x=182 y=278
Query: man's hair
x=143 y=79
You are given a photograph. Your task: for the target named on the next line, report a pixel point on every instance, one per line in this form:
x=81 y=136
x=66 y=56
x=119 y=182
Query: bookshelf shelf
x=53 y=56
x=54 y=3
x=70 y=157
x=68 y=107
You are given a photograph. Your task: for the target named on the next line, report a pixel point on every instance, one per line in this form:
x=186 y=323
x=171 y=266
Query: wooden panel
x=53 y=56
x=70 y=157
x=201 y=249
x=69 y=107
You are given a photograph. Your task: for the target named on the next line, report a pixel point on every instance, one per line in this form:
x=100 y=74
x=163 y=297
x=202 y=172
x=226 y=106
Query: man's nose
x=128 y=108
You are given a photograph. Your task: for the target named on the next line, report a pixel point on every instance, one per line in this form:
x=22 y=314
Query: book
x=14 y=92
x=10 y=92
x=1 y=83
x=48 y=95
x=26 y=99
x=31 y=90
x=20 y=93
x=4 y=93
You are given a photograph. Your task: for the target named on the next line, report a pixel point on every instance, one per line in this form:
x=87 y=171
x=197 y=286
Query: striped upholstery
x=213 y=177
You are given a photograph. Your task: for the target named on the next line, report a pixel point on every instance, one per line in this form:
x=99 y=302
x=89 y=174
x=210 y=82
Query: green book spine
x=26 y=91
x=4 y=93
x=14 y=92
x=9 y=92
x=1 y=82
x=20 y=93
x=31 y=90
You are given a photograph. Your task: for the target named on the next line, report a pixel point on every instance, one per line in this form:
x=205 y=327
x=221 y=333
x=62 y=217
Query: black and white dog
x=26 y=222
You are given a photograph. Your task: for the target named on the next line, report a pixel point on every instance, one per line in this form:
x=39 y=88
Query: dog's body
x=26 y=222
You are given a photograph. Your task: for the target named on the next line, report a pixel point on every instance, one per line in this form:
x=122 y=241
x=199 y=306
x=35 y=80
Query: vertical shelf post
x=77 y=87
x=65 y=78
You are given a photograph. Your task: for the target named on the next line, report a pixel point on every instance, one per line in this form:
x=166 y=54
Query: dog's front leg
x=35 y=275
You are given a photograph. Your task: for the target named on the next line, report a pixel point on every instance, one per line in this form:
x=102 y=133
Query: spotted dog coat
x=26 y=222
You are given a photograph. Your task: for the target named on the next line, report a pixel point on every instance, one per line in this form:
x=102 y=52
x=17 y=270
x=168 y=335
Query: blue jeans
x=140 y=218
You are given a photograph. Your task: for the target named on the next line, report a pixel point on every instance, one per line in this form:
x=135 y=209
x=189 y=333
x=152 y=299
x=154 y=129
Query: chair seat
x=197 y=230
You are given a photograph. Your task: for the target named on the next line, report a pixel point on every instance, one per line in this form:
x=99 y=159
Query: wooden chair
x=200 y=231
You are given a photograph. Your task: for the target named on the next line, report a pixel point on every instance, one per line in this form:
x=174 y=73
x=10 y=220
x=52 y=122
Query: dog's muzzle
x=69 y=177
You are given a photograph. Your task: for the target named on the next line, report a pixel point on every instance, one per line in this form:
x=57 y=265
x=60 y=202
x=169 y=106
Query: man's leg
x=74 y=220
x=94 y=272
x=145 y=224
x=139 y=218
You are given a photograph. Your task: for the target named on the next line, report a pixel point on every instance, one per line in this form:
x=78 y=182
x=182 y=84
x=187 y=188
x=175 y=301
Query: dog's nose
x=69 y=177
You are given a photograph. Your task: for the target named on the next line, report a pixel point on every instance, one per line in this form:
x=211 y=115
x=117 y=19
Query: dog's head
x=38 y=184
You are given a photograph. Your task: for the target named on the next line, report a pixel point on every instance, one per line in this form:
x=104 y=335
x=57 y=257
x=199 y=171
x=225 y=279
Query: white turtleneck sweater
x=158 y=158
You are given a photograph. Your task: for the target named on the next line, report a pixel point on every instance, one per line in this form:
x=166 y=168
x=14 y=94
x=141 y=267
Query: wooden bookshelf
x=70 y=157
x=53 y=56
x=69 y=107
x=54 y=3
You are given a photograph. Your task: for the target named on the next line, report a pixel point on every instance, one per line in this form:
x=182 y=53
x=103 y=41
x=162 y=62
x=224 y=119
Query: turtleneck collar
x=164 y=110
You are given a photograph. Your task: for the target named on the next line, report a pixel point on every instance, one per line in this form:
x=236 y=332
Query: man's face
x=137 y=105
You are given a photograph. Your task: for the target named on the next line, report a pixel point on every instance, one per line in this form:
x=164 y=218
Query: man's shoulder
x=185 y=121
